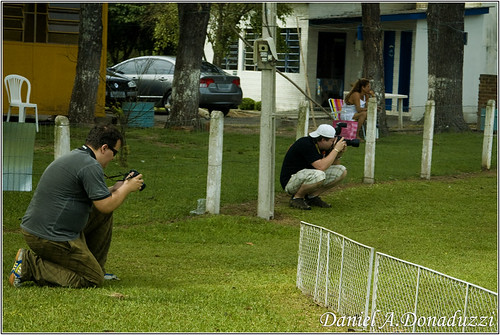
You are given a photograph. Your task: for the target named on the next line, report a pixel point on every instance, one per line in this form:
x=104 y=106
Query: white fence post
x=428 y=140
x=302 y=120
x=489 y=123
x=61 y=136
x=215 y=162
x=371 y=129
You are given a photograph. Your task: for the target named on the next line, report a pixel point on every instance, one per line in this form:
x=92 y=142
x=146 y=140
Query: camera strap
x=88 y=150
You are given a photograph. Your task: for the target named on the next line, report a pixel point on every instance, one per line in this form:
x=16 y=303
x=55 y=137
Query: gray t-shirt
x=62 y=201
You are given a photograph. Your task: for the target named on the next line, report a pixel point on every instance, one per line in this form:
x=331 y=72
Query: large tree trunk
x=445 y=31
x=193 y=21
x=84 y=94
x=373 y=61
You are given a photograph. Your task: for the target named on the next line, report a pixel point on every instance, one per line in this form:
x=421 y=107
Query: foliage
x=130 y=27
x=166 y=28
x=139 y=29
x=227 y=21
x=258 y=105
x=247 y=104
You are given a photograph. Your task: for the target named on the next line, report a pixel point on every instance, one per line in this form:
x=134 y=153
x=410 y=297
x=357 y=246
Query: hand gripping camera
x=338 y=129
x=135 y=173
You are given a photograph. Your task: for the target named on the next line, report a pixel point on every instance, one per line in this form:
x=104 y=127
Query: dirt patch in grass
x=281 y=198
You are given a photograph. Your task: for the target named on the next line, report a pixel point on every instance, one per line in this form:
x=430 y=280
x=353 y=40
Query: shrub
x=258 y=105
x=247 y=104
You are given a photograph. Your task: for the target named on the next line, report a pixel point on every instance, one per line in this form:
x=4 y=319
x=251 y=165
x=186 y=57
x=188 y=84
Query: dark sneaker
x=299 y=203
x=317 y=202
x=15 y=273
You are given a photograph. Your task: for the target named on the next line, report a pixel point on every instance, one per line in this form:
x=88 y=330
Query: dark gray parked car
x=154 y=75
x=119 y=88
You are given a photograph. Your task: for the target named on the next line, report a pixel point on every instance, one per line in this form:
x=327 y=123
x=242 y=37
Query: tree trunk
x=373 y=61
x=193 y=21
x=84 y=94
x=445 y=31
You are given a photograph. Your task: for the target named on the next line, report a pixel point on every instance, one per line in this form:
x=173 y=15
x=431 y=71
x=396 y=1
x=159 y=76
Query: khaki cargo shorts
x=313 y=176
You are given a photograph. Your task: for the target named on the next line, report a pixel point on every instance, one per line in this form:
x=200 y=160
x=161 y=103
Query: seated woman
x=355 y=103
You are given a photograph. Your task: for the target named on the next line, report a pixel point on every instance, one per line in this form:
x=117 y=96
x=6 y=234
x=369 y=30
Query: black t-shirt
x=300 y=156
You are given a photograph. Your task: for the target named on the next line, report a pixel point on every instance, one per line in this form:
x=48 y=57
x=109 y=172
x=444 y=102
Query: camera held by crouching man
x=132 y=174
x=338 y=130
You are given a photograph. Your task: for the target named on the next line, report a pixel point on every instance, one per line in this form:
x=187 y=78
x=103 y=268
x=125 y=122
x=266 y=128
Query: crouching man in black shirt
x=311 y=167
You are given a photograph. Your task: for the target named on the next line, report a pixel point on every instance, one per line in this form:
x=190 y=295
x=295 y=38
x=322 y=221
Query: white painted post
x=371 y=131
x=302 y=121
x=428 y=140
x=215 y=162
x=489 y=123
x=61 y=136
x=265 y=201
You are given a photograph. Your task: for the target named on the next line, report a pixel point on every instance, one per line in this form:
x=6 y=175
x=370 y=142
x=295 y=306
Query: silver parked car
x=154 y=75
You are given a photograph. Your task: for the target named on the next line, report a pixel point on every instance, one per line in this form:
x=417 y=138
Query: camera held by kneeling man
x=311 y=167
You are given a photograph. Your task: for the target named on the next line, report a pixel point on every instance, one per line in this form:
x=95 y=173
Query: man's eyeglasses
x=114 y=151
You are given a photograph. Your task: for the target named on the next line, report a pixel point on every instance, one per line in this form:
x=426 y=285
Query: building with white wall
x=330 y=57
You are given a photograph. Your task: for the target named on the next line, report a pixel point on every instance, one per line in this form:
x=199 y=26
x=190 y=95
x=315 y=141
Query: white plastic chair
x=14 y=84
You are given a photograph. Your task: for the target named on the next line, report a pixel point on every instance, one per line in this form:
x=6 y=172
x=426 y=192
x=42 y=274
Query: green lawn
x=235 y=272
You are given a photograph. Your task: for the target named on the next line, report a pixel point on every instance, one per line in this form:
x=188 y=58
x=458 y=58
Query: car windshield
x=210 y=68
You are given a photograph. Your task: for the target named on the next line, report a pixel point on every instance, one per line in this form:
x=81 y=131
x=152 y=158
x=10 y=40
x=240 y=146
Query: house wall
x=480 y=56
x=51 y=70
x=419 y=82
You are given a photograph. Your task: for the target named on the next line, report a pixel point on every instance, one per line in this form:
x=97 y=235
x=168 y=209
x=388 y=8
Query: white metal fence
x=334 y=270
x=337 y=272
x=411 y=298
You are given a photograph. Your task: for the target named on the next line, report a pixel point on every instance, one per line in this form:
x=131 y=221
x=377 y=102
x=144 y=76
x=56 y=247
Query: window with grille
x=287 y=46
x=41 y=22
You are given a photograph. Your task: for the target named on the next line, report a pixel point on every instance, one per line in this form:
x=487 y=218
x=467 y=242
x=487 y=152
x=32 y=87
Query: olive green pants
x=78 y=263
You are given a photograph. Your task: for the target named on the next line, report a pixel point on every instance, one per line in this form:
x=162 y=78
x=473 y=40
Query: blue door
x=405 y=66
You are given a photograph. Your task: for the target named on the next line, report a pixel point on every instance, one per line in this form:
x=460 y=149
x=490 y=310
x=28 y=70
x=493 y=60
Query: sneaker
x=110 y=276
x=299 y=203
x=317 y=202
x=15 y=273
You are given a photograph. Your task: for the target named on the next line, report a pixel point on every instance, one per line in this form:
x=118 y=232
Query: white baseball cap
x=324 y=130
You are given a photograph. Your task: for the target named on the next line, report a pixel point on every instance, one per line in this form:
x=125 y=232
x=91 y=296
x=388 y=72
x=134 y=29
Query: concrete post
x=214 y=175
x=489 y=123
x=428 y=140
x=371 y=134
x=302 y=121
x=265 y=205
x=61 y=136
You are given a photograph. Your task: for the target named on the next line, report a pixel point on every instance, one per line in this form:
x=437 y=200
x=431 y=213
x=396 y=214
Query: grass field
x=235 y=272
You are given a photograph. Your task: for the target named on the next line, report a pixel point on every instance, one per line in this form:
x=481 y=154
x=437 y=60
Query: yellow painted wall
x=51 y=70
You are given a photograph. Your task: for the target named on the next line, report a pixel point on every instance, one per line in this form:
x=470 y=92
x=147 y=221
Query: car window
x=132 y=67
x=158 y=66
x=210 y=68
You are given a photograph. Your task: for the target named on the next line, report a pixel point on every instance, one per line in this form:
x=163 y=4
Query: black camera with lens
x=135 y=173
x=338 y=130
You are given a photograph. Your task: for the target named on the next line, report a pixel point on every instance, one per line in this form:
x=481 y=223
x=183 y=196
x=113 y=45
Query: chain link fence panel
x=334 y=270
x=411 y=298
